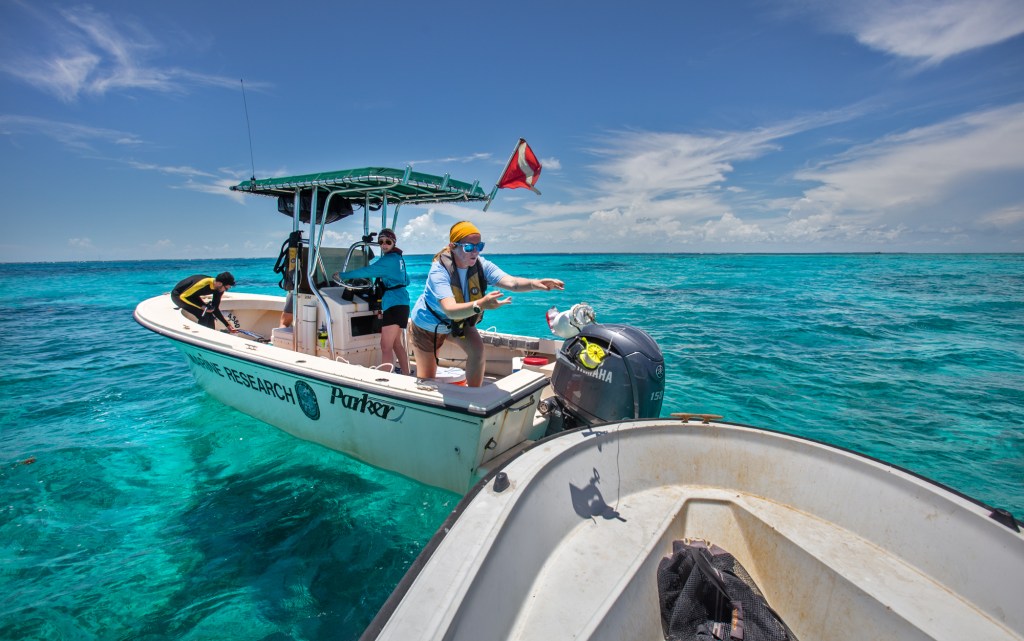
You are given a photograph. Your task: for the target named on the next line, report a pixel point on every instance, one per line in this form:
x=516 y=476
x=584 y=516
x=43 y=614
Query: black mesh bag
x=706 y=595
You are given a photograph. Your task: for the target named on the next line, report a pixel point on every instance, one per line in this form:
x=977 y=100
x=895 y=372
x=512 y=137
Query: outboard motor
x=605 y=373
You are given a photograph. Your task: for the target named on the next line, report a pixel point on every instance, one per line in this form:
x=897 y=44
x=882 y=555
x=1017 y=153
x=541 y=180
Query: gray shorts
x=288 y=304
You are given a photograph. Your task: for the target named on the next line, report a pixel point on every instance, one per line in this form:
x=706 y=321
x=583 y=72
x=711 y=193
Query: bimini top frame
x=372 y=185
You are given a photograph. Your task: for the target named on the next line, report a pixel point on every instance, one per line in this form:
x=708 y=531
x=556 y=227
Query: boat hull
x=430 y=444
x=842 y=546
x=439 y=434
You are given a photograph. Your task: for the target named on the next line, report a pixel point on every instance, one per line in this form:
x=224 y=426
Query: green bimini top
x=371 y=185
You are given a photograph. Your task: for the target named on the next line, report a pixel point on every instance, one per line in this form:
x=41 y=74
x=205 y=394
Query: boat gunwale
x=475 y=411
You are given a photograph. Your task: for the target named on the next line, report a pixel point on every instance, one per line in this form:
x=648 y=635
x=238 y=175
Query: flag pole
x=490 y=197
x=512 y=156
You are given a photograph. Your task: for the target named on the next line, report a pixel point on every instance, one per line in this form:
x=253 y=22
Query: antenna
x=249 y=128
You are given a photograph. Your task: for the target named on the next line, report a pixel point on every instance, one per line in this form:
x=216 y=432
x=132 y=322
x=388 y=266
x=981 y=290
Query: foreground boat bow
x=565 y=540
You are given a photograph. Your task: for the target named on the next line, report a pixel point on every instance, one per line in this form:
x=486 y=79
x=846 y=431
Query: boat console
x=354 y=328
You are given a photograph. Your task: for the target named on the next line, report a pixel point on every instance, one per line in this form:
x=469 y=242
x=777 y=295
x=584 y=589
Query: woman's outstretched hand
x=548 y=283
x=493 y=300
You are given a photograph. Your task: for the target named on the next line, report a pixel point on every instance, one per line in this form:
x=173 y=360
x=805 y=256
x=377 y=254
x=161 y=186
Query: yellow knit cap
x=462 y=229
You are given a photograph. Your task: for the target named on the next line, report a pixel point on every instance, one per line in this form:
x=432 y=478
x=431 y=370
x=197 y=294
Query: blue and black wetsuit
x=187 y=295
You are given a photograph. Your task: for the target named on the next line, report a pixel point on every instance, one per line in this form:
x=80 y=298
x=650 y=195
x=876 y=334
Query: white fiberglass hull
x=844 y=547
x=436 y=433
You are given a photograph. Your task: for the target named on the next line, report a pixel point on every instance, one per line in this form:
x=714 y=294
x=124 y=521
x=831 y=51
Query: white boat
x=565 y=541
x=328 y=388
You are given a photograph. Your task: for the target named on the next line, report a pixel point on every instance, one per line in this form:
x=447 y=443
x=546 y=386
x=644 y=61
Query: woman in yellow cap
x=456 y=296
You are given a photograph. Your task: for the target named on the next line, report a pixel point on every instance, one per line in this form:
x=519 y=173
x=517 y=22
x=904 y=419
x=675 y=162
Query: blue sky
x=729 y=126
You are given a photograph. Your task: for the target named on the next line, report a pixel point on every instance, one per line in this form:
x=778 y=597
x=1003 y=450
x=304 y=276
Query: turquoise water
x=135 y=507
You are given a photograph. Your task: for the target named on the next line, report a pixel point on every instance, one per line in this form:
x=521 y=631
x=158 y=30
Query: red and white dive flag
x=523 y=169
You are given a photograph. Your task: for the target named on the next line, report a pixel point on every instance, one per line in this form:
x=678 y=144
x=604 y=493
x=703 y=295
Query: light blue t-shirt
x=439 y=286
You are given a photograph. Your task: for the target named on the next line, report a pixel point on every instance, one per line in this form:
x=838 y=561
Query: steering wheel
x=356 y=284
x=353 y=283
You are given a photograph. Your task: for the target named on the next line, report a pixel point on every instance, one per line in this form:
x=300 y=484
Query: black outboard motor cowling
x=627 y=382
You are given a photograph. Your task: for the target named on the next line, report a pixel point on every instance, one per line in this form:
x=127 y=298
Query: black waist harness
x=457 y=328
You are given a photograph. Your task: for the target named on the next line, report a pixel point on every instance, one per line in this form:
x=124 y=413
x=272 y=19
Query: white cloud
x=551 y=164
x=929 y=31
x=73 y=135
x=922 y=168
x=422 y=230
x=729 y=228
x=1007 y=218
x=198 y=180
x=671 y=183
x=335 y=239
x=219 y=187
x=664 y=164
x=222 y=249
x=187 y=171
x=161 y=248
x=451 y=159
x=919 y=187
x=86 y=139
x=90 y=53
x=680 y=167
x=428 y=232
x=81 y=243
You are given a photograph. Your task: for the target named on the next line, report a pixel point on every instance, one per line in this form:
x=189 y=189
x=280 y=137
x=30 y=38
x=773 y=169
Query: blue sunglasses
x=468 y=247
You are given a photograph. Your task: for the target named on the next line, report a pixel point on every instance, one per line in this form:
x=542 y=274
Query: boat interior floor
x=809 y=565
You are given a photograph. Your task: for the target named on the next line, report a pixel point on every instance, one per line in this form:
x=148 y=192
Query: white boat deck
x=843 y=547
x=609 y=564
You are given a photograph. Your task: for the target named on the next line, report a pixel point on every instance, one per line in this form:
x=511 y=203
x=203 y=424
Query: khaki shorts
x=425 y=340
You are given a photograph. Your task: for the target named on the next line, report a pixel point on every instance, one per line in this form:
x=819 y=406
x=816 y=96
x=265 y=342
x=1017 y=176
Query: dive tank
x=606 y=373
